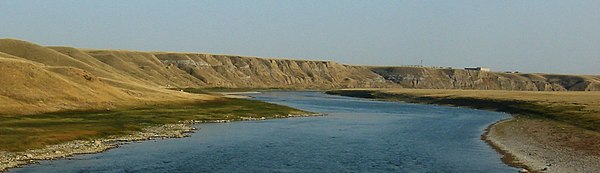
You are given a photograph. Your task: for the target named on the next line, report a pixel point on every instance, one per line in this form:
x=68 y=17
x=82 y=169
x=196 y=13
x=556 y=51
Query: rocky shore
x=183 y=129
x=15 y=159
x=537 y=146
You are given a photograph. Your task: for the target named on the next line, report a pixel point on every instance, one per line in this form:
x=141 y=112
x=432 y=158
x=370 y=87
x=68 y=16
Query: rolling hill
x=39 y=79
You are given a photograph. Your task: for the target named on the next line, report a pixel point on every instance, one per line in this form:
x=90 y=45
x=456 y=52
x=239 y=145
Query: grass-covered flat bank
x=558 y=131
x=24 y=132
x=26 y=138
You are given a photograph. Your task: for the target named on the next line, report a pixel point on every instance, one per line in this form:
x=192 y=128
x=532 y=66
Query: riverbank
x=27 y=138
x=58 y=151
x=550 y=131
x=542 y=146
x=183 y=129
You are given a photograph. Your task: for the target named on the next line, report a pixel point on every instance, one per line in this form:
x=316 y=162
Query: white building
x=479 y=69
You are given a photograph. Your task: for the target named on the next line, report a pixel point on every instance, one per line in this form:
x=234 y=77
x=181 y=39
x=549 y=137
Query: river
x=357 y=135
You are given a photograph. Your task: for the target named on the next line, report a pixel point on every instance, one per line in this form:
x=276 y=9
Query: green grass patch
x=23 y=132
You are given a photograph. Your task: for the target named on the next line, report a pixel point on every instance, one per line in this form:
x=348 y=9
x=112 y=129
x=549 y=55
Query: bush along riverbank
x=550 y=131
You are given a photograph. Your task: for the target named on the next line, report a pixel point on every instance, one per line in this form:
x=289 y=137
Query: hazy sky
x=561 y=36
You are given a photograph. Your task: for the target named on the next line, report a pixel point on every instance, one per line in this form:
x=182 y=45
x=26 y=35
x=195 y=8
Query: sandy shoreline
x=60 y=151
x=507 y=157
x=532 y=144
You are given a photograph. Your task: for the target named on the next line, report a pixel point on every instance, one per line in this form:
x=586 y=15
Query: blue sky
x=547 y=36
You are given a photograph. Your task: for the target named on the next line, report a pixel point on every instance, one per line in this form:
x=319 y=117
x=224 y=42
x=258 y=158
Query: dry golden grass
x=580 y=103
x=38 y=79
x=589 y=99
x=31 y=88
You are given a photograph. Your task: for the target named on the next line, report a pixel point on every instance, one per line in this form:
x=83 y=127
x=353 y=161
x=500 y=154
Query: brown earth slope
x=36 y=79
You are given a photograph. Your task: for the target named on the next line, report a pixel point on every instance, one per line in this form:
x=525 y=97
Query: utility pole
x=421 y=63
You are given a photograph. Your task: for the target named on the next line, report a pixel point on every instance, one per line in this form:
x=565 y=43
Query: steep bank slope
x=434 y=78
x=237 y=71
x=36 y=79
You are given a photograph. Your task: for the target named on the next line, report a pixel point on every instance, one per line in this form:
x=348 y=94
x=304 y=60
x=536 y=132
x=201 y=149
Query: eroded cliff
x=436 y=78
x=237 y=71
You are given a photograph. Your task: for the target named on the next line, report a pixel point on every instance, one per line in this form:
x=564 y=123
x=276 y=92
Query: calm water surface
x=358 y=135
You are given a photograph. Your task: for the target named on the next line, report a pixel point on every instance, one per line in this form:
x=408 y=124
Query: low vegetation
x=22 y=132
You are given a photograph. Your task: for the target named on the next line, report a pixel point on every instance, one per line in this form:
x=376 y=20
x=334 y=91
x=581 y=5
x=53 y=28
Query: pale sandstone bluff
x=252 y=72
x=437 y=78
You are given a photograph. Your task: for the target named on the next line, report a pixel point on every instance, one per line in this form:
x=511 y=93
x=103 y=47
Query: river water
x=357 y=135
